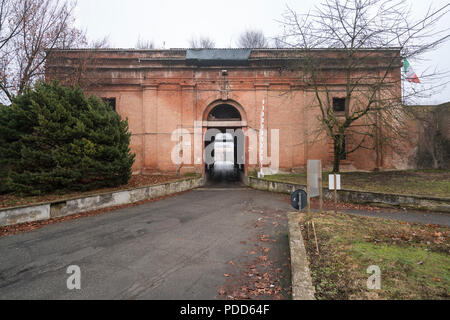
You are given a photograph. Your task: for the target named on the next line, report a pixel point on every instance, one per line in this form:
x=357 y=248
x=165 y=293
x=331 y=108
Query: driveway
x=211 y=243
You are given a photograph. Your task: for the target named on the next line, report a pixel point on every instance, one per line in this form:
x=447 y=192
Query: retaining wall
x=361 y=197
x=62 y=208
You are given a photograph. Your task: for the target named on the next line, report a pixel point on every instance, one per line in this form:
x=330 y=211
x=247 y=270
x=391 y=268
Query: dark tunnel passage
x=224 y=146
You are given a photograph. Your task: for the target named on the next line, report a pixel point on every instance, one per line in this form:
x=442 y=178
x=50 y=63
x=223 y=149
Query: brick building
x=160 y=91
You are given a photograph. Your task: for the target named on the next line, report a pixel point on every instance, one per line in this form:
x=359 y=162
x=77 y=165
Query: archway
x=224 y=141
x=224 y=112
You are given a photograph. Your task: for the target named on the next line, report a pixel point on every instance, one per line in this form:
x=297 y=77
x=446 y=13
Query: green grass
x=414 y=259
x=412 y=182
x=405 y=265
x=192 y=175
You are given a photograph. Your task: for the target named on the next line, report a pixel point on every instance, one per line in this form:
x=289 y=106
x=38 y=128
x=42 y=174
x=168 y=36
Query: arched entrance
x=224 y=140
x=224 y=112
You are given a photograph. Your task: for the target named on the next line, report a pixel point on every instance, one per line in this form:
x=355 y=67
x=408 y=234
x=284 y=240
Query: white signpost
x=314 y=180
x=331 y=181
x=334 y=183
x=314 y=189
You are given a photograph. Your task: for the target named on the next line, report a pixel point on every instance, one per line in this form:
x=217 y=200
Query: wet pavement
x=204 y=244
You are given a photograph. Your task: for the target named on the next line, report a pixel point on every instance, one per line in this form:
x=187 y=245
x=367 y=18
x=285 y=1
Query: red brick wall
x=159 y=93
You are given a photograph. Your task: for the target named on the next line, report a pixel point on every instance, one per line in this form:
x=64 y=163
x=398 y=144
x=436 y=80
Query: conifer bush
x=54 y=138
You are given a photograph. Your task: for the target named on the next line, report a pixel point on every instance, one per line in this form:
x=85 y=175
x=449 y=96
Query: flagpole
x=403 y=92
x=261 y=141
x=403 y=87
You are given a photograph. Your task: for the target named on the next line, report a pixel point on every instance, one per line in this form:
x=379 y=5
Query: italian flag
x=410 y=74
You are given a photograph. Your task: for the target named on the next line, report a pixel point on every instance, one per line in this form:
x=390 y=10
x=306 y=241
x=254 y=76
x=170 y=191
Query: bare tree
x=434 y=136
x=252 y=39
x=10 y=30
x=144 y=44
x=354 y=85
x=35 y=28
x=79 y=63
x=279 y=43
x=101 y=43
x=202 y=42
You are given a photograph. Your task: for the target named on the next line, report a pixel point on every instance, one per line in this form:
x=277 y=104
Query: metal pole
x=299 y=203
x=320 y=188
x=335 y=193
x=308 y=190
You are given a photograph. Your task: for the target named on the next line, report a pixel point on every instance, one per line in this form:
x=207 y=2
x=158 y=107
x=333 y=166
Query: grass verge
x=412 y=182
x=414 y=259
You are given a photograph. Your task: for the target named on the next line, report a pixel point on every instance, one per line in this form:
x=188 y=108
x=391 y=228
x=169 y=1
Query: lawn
x=136 y=181
x=414 y=259
x=412 y=182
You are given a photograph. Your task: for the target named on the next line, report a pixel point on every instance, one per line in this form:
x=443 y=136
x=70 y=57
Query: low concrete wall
x=361 y=197
x=302 y=287
x=67 y=207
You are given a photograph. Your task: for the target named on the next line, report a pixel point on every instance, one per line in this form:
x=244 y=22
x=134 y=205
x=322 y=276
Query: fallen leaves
x=329 y=205
x=260 y=275
x=401 y=234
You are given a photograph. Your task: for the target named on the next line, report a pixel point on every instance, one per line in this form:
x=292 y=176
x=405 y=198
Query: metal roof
x=208 y=57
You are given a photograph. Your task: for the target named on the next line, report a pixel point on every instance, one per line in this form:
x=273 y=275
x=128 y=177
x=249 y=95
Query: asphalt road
x=411 y=216
x=210 y=243
x=177 y=248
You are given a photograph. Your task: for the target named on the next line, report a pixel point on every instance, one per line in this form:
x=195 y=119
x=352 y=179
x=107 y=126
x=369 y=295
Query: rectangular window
x=111 y=102
x=339 y=104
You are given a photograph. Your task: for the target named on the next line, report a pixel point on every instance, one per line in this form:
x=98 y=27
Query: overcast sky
x=171 y=23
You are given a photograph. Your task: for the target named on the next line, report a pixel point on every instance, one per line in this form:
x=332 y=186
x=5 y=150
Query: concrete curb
x=302 y=287
x=361 y=197
x=67 y=207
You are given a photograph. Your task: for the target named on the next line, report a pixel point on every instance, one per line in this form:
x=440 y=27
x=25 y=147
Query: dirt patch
x=414 y=259
x=264 y=274
x=10 y=200
x=328 y=205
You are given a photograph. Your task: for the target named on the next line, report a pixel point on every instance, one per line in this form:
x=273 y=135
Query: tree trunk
x=435 y=161
x=336 y=164
x=337 y=156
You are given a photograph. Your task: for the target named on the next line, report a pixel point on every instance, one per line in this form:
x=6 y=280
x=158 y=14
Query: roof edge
x=186 y=49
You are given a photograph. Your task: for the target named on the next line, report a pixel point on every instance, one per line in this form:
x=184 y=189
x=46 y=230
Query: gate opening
x=224 y=144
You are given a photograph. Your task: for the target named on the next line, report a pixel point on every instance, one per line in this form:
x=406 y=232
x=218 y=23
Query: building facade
x=162 y=92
